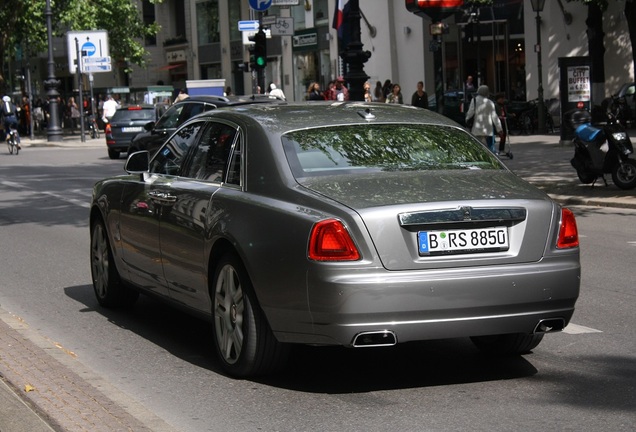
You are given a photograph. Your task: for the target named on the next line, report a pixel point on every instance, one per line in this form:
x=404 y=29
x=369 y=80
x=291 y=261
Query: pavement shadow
x=330 y=370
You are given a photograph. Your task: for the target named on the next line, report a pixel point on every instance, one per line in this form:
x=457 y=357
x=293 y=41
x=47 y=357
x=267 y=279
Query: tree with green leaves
x=24 y=27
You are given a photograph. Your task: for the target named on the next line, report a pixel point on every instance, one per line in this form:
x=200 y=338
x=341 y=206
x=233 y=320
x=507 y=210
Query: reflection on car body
x=354 y=229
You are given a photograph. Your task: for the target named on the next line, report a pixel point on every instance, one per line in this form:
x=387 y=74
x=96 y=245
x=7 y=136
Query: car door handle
x=162 y=198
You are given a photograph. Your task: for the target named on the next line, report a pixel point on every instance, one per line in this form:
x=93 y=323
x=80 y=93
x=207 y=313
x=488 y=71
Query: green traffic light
x=260 y=61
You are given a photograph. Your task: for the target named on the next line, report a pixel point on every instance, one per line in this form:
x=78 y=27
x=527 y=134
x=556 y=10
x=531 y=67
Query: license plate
x=493 y=239
x=132 y=129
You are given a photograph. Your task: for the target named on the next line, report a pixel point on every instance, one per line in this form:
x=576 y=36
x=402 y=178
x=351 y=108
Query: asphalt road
x=154 y=368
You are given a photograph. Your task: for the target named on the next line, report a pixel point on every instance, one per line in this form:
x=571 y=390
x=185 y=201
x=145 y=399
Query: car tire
x=243 y=339
x=507 y=344
x=113 y=154
x=110 y=290
x=624 y=174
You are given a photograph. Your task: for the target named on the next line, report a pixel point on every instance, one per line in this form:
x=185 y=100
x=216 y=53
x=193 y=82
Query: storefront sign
x=579 y=84
x=175 y=56
x=305 y=41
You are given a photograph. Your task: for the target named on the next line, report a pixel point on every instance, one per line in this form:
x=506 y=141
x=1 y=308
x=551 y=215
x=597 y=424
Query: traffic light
x=258 y=52
x=244 y=67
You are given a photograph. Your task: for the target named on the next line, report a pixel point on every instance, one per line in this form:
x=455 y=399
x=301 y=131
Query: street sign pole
x=79 y=86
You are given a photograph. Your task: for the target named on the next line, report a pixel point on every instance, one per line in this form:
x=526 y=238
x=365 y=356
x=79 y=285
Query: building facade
x=200 y=39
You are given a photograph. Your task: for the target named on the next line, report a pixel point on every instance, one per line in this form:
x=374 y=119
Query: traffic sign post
x=92 y=44
x=97 y=68
x=251 y=25
x=96 y=60
x=260 y=5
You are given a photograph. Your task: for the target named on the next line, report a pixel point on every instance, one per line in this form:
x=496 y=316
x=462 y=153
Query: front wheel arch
x=242 y=337
x=110 y=290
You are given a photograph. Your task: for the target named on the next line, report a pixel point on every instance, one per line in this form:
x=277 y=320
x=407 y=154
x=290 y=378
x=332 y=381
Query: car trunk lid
x=398 y=207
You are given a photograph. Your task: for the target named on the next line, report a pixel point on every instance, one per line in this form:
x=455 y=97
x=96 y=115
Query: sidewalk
x=540 y=159
x=544 y=162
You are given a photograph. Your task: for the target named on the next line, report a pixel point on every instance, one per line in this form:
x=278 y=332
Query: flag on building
x=339 y=16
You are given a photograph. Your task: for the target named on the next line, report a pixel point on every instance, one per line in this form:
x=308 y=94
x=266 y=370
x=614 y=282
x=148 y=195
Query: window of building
x=179 y=18
x=298 y=13
x=208 y=22
x=148 y=12
x=234 y=12
x=211 y=71
x=321 y=12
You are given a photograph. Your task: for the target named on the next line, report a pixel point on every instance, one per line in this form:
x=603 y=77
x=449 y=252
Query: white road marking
x=579 y=329
x=77 y=202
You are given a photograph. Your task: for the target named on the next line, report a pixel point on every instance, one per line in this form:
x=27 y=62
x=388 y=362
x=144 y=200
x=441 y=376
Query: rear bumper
x=117 y=145
x=433 y=304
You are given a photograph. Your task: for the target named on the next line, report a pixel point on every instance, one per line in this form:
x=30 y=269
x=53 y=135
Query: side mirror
x=138 y=162
x=149 y=126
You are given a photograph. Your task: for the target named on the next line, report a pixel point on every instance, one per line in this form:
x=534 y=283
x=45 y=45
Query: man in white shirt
x=274 y=91
x=110 y=106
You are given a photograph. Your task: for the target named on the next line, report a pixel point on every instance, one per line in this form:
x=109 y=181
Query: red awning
x=171 y=66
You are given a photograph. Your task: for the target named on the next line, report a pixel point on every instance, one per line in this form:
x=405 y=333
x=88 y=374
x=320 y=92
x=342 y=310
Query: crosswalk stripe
x=579 y=329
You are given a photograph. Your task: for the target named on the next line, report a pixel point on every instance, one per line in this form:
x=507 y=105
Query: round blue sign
x=260 y=5
x=89 y=48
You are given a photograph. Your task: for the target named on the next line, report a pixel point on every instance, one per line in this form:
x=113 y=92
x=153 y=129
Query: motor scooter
x=602 y=149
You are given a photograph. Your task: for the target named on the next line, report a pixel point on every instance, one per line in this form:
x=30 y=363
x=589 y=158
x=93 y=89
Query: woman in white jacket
x=485 y=119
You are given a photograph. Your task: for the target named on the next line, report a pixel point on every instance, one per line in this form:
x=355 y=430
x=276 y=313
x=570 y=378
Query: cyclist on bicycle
x=9 y=115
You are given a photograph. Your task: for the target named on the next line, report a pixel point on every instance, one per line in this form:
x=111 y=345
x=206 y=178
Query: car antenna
x=367 y=114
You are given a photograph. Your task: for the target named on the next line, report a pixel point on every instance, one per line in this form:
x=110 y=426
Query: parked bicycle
x=93 y=128
x=524 y=117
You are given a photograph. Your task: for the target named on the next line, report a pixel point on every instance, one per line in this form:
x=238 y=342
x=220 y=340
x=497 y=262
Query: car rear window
x=384 y=147
x=125 y=114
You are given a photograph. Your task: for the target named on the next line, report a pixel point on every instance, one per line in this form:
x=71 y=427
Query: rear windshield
x=134 y=114
x=384 y=147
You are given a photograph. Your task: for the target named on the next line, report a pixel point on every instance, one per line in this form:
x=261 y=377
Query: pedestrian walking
x=483 y=115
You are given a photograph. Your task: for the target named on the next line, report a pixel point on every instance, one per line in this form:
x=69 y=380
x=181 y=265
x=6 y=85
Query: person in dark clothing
x=420 y=98
x=9 y=115
x=500 y=109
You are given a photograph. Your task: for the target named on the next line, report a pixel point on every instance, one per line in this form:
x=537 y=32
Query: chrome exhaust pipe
x=550 y=325
x=375 y=339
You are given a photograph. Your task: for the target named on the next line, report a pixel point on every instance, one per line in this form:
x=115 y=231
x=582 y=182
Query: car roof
x=221 y=101
x=280 y=118
x=130 y=107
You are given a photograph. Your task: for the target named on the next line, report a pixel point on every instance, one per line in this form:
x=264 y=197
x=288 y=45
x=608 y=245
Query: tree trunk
x=630 y=15
x=596 y=46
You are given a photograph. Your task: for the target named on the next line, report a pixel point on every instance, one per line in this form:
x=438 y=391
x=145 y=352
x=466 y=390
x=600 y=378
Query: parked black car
x=155 y=134
x=454 y=106
x=125 y=124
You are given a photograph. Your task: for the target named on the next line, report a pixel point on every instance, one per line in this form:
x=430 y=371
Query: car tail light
x=330 y=241
x=568 y=232
x=107 y=129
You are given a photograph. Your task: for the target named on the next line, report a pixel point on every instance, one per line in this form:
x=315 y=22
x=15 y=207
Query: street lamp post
x=53 y=130
x=353 y=55
x=537 y=6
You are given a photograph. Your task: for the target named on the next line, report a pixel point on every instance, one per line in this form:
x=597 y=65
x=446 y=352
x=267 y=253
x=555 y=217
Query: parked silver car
x=349 y=224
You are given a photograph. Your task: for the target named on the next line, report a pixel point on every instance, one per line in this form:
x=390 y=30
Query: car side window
x=196 y=109
x=171 y=156
x=170 y=118
x=212 y=156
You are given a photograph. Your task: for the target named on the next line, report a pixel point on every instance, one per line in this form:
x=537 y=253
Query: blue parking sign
x=260 y=5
